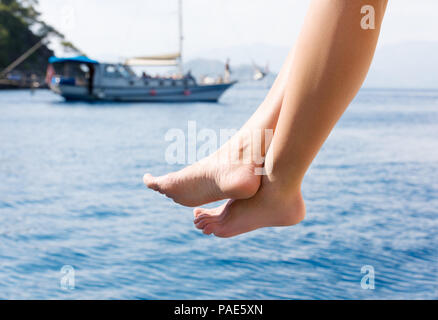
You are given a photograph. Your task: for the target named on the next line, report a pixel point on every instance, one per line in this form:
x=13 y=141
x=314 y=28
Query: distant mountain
x=210 y=67
x=261 y=54
x=204 y=67
x=404 y=65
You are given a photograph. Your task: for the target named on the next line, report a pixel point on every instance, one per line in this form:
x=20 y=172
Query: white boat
x=81 y=78
x=259 y=74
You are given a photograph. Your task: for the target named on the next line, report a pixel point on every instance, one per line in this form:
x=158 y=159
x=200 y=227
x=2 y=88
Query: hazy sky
x=114 y=28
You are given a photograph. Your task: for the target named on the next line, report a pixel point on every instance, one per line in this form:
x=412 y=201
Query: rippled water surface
x=71 y=194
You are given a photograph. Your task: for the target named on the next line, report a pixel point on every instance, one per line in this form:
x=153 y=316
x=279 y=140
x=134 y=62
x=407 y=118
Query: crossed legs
x=229 y=173
x=318 y=81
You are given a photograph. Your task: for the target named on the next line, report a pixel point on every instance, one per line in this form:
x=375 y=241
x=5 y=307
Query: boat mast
x=181 y=37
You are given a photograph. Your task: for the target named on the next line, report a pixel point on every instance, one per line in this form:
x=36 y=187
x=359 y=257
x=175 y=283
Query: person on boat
x=319 y=79
x=227 y=71
x=189 y=76
x=90 y=79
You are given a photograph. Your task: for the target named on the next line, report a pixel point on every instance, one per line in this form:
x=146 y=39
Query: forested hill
x=20 y=29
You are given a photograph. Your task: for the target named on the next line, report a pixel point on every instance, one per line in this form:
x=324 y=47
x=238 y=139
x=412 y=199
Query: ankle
x=284 y=185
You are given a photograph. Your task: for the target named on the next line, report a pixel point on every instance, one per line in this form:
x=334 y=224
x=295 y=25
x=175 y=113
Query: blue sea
x=71 y=194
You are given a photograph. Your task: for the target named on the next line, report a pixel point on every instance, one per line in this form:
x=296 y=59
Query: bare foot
x=270 y=207
x=223 y=175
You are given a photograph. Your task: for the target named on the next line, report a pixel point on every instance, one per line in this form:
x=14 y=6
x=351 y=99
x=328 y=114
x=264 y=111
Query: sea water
x=76 y=221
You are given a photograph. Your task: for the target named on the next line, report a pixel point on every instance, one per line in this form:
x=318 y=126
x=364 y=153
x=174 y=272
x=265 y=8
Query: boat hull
x=210 y=93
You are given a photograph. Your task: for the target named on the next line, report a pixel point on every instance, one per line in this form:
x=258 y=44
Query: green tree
x=20 y=28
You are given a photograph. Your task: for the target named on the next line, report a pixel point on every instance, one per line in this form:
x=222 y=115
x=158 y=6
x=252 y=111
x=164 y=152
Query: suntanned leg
x=332 y=58
x=230 y=171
